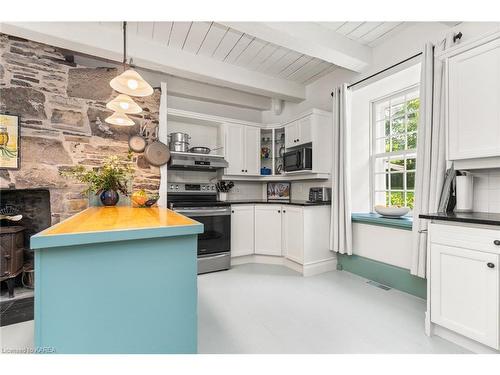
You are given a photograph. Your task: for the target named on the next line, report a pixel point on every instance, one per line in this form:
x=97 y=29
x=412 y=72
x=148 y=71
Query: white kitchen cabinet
x=473 y=106
x=268 y=229
x=464 y=281
x=299 y=132
x=242 y=149
x=293 y=233
x=242 y=230
x=252 y=151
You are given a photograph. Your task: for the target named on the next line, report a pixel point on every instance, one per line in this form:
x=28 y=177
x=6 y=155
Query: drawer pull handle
x=490 y=265
x=497 y=242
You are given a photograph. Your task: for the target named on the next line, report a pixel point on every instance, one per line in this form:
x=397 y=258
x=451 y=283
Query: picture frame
x=10 y=141
x=279 y=191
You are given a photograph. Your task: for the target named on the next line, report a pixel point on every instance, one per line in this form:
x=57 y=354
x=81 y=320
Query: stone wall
x=59 y=103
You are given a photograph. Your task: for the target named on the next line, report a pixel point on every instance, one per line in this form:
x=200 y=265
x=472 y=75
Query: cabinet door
x=474 y=103
x=268 y=229
x=293 y=233
x=234 y=149
x=291 y=134
x=252 y=151
x=242 y=230
x=305 y=130
x=464 y=292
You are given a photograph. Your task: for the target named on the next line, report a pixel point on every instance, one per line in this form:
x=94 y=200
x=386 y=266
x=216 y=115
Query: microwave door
x=298 y=162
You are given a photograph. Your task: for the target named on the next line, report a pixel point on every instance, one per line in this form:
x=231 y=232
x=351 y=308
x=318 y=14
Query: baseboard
x=465 y=342
x=315 y=268
x=309 y=269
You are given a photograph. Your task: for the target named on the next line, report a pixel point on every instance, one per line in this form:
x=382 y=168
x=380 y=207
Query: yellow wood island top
x=117 y=223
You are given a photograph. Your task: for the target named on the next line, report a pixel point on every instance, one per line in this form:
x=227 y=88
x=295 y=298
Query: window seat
x=405 y=222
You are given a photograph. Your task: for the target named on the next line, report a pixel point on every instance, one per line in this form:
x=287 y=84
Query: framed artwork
x=278 y=191
x=10 y=137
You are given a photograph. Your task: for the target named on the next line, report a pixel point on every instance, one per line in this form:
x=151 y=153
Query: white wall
x=487 y=190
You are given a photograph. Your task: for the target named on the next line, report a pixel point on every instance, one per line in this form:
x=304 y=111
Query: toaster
x=320 y=194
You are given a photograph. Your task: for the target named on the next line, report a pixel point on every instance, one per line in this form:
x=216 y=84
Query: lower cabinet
x=293 y=233
x=464 y=281
x=242 y=230
x=268 y=238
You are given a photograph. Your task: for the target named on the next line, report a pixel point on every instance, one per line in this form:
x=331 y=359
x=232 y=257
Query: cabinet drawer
x=465 y=237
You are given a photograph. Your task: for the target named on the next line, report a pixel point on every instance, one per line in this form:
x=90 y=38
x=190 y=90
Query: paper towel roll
x=465 y=193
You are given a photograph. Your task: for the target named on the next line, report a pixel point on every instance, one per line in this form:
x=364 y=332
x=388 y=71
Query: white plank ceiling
x=366 y=33
x=214 y=40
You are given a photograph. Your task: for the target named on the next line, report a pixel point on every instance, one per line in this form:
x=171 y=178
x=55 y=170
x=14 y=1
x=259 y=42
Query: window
x=394 y=150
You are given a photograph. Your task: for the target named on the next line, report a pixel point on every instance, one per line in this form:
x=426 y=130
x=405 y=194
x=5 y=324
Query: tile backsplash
x=487 y=191
x=241 y=189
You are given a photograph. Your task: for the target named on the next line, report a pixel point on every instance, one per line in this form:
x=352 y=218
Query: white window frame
x=373 y=140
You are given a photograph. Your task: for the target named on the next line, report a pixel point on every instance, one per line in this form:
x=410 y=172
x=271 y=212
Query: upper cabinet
x=299 y=132
x=242 y=149
x=473 y=101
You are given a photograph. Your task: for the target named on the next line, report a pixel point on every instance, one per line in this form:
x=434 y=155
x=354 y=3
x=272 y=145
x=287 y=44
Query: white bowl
x=391 y=211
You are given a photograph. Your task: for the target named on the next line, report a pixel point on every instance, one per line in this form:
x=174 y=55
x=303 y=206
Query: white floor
x=271 y=309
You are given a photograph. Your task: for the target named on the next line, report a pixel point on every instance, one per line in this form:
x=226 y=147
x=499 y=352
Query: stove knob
x=176 y=187
x=203 y=188
x=172 y=186
x=213 y=187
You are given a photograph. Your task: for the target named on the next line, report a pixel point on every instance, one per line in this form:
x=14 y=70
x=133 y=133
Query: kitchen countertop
x=469 y=217
x=293 y=202
x=108 y=224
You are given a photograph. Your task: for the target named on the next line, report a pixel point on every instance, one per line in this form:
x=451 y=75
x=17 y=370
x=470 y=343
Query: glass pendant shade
x=131 y=83
x=125 y=104
x=119 y=118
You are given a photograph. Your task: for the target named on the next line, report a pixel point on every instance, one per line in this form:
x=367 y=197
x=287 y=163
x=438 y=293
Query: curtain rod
x=381 y=71
x=455 y=37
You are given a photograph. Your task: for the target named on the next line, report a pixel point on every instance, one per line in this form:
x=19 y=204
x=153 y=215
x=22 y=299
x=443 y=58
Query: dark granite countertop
x=293 y=202
x=469 y=217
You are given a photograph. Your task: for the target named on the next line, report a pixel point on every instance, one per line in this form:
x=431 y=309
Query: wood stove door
x=18 y=252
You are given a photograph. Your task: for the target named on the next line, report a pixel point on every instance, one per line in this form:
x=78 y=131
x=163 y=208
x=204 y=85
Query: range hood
x=192 y=161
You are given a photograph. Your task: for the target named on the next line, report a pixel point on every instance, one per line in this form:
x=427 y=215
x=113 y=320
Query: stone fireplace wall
x=59 y=103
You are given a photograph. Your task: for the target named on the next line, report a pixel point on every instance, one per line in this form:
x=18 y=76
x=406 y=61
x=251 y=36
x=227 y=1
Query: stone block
x=23 y=101
x=91 y=83
x=67 y=117
x=44 y=150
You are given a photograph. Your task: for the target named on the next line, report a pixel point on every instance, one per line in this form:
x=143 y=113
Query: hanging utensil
x=157 y=154
x=137 y=143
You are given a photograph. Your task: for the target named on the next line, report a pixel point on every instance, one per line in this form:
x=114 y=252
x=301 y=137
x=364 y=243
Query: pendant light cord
x=124 y=45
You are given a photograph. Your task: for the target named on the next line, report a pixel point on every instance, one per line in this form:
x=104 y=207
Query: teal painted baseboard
x=386 y=274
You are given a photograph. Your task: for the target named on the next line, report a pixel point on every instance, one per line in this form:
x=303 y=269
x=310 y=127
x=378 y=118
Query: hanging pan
x=157 y=154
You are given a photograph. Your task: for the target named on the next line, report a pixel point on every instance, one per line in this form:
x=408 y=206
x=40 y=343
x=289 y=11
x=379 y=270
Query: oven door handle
x=203 y=212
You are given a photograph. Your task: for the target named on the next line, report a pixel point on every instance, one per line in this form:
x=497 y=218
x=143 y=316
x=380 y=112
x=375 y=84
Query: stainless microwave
x=298 y=160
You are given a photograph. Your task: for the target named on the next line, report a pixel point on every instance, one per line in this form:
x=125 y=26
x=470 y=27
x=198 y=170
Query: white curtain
x=431 y=154
x=340 y=226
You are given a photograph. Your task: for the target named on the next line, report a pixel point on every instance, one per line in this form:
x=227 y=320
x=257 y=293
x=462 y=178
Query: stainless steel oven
x=199 y=202
x=298 y=160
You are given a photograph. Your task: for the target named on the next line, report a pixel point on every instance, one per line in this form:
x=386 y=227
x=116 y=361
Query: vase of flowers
x=106 y=181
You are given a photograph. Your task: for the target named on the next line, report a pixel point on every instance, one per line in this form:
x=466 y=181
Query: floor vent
x=378 y=285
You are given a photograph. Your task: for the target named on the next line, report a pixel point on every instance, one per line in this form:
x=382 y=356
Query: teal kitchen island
x=117 y=280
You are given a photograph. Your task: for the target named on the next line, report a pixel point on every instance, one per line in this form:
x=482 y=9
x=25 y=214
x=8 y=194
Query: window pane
x=387 y=128
x=412 y=141
x=413 y=105
x=397 y=181
x=410 y=199
x=410 y=181
x=398 y=125
x=412 y=121
x=397 y=165
x=397 y=198
x=410 y=164
x=398 y=143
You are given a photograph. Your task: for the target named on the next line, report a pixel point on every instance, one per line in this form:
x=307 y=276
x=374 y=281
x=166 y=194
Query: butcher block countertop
x=107 y=224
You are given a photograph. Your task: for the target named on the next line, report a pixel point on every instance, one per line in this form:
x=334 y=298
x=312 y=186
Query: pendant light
x=124 y=104
x=130 y=82
x=119 y=118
